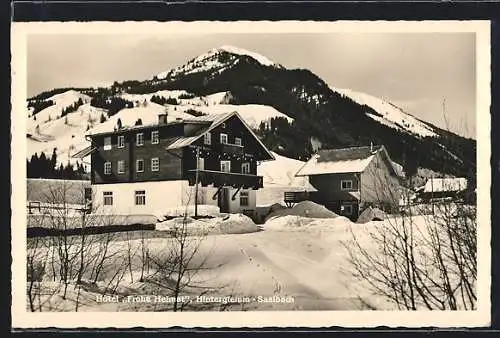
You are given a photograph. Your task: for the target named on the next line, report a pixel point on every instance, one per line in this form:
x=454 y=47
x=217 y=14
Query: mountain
x=293 y=110
x=216 y=61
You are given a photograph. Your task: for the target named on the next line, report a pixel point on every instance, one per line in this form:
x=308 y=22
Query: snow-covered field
x=302 y=265
x=295 y=261
x=301 y=259
x=66 y=134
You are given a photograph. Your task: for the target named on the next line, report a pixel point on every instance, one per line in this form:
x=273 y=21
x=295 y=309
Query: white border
x=23 y=319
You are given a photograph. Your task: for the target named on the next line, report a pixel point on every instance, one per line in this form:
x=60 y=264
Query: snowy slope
x=66 y=138
x=240 y=51
x=392 y=116
x=162 y=93
x=61 y=101
x=213 y=62
x=253 y=114
x=147 y=113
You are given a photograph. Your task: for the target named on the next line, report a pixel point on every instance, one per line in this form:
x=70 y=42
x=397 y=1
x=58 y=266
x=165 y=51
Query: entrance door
x=223 y=200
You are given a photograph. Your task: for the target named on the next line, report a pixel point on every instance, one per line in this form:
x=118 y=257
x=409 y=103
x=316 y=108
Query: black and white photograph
x=251 y=173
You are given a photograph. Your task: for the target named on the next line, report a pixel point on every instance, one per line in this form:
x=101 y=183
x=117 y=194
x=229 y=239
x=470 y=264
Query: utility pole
x=196 y=182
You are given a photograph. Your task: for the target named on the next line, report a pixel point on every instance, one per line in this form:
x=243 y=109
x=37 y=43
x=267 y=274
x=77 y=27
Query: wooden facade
x=181 y=151
x=348 y=192
x=170 y=162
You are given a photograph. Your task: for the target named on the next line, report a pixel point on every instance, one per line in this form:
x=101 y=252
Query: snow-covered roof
x=212 y=121
x=216 y=120
x=445 y=184
x=84 y=152
x=336 y=161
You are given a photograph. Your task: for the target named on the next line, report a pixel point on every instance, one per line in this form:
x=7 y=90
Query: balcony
x=219 y=179
x=230 y=149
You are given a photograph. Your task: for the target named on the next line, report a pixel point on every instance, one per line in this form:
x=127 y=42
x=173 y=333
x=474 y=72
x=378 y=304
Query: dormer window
x=155 y=137
x=223 y=138
x=207 y=138
x=237 y=141
x=139 y=139
x=107 y=143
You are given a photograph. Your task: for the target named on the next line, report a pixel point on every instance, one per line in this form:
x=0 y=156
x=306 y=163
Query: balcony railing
x=219 y=179
x=231 y=149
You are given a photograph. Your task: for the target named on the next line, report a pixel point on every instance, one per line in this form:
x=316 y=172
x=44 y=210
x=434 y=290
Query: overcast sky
x=417 y=71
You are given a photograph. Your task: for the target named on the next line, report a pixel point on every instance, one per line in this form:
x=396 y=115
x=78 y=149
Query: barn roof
x=211 y=121
x=445 y=184
x=216 y=119
x=345 y=160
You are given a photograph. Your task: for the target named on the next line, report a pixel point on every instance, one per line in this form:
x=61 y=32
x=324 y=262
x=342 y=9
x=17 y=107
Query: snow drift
x=304 y=209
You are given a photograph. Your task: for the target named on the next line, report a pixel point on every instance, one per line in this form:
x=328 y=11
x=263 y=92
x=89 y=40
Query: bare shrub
x=419 y=258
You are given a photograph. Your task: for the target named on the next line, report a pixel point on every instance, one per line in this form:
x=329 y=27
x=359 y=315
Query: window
x=107 y=197
x=237 y=141
x=154 y=137
x=107 y=168
x=139 y=166
x=346 y=185
x=121 y=141
x=207 y=138
x=225 y=166
x=107 y=143
x=155 y=164
x=346 y=209
x=223 y=138
x=140 y=197
x=245 y=168
x=121 y=167
x=139 y=139
x=244 y=198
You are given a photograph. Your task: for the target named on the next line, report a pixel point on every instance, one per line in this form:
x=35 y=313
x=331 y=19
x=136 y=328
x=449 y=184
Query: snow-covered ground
x=61 y=101
x=303 y=264
x=392 y=115
x=303 y=259
x=67 y=138
x=148 y=113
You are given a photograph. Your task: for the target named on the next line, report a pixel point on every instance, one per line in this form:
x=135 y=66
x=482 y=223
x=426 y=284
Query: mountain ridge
x=316 y=110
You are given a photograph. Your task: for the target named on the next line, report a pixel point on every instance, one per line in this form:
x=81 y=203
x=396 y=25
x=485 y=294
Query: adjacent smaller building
x=56 y=196
x=349 y=179
x=442 y=188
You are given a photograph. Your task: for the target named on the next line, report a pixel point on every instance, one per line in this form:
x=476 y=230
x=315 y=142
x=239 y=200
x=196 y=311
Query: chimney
x=162 y=118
